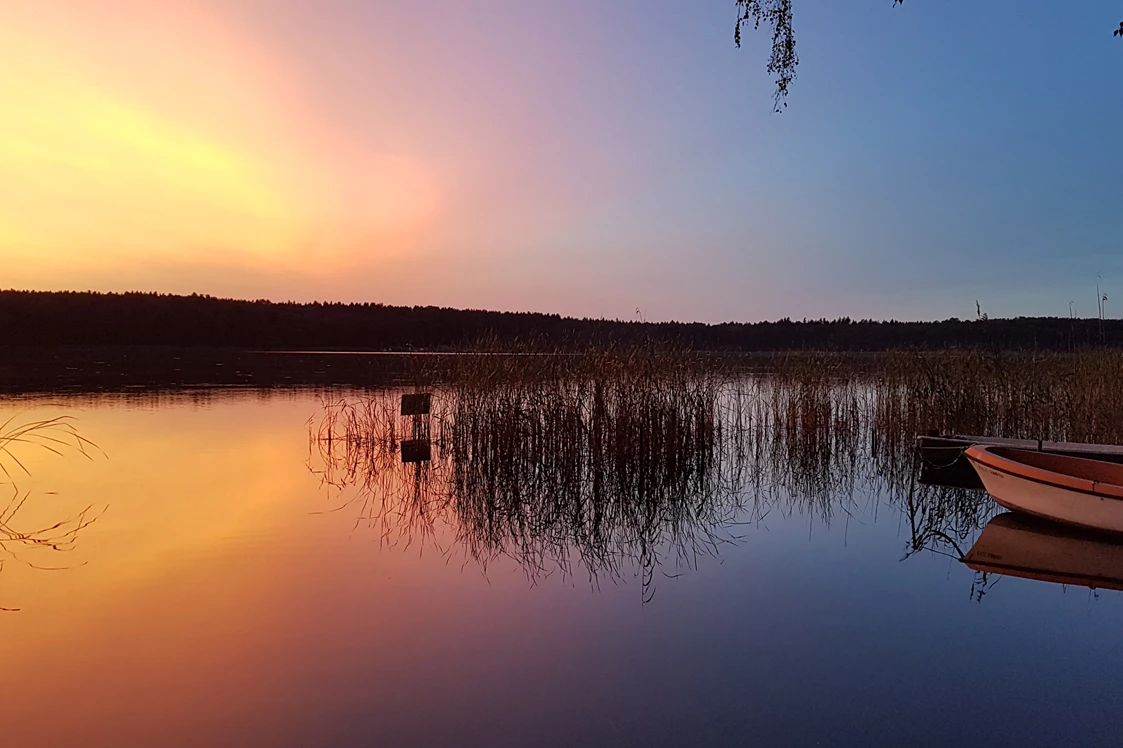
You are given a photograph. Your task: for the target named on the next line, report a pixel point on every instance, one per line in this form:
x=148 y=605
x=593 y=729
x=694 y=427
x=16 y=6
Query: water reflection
x=602 y=480
x=1022 y=546
x=557 y=479
x=209 y=581
x=605 y=477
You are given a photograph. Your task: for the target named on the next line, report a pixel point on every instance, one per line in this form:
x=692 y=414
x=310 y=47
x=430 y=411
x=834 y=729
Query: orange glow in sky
x=158 y=134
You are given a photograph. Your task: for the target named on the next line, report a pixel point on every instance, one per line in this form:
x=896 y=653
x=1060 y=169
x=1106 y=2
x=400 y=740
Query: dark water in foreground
x=225 y=596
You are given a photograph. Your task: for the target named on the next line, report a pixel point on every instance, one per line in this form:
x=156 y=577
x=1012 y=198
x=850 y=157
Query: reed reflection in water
x=554 y=474
x=25 y=542
x=628 y=464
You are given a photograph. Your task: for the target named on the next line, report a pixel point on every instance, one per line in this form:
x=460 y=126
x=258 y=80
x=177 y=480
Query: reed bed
x=1057 y=396
x=647 y=458
x=590 y=463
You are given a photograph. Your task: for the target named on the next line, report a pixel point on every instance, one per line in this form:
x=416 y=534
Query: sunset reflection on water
x=225 y=596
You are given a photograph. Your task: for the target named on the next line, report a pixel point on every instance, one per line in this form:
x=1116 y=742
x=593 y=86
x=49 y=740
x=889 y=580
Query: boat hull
x=1050 y=494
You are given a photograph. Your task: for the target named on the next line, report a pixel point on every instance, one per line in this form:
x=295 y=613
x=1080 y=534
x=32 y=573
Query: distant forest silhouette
x=72 y=318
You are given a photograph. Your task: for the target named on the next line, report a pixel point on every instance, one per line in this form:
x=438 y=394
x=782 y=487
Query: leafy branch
x=777 y=15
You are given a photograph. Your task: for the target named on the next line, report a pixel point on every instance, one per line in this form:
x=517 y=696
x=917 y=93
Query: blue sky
x=931 y=155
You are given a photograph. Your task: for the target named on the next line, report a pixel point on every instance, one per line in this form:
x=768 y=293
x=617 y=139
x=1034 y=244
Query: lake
x=243 y=583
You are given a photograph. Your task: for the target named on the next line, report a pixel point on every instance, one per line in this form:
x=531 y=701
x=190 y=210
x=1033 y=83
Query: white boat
x=1073 y=490
x=1018 y=545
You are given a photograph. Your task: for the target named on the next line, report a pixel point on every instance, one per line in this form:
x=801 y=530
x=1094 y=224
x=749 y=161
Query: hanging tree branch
x=782 y=64
x=777 y=14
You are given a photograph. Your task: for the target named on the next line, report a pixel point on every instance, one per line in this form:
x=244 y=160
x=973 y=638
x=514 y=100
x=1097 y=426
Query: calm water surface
x=225 y=596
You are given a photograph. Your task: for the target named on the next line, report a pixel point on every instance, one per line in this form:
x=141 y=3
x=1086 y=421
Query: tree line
x=147 y=319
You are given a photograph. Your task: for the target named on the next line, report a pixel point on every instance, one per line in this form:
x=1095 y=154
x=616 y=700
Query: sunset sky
x=581 y=157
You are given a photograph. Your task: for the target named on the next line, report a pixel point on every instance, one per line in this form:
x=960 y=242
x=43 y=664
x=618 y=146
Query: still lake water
x=225 y=596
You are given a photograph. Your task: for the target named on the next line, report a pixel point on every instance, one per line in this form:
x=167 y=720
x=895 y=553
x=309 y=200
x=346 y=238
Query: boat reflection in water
x=1019 y=545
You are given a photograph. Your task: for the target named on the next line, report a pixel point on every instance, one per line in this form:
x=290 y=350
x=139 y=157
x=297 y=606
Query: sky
x=605 y=159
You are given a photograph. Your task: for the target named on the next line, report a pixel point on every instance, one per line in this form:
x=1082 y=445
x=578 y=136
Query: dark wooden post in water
x=417 y=448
